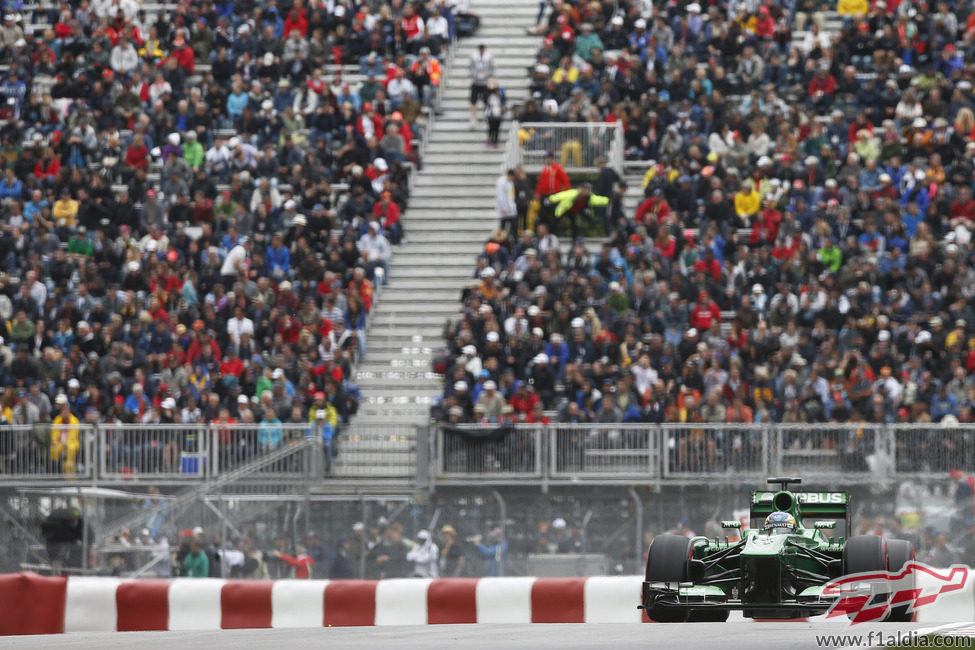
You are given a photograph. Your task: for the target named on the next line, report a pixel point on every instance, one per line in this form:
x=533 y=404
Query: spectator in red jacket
x=537 y=415
x=412 y=24
x=765 y=25
x=763 y=231
x=137 y=155
x=704 y=312
x=231 y=365
x=524 y=400
x=389 y=213
x=963 y=208
x=301 y=564
x=786 y=247
x=184 y=55
x=552 y=179
x=822 y=88
x=655 y=206
x=203 y=339
x=709 y=264
x=296 y=20
x=48 y=167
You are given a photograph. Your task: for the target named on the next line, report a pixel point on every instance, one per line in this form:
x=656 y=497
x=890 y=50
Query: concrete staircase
x=451 y=214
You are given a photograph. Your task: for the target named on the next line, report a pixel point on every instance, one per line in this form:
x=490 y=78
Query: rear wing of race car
x=804 y=505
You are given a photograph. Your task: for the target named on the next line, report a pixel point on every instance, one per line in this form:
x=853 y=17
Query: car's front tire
x=667 y=562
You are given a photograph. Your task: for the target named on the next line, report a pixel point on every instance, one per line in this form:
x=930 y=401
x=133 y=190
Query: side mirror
x=731 y=524
x=825 y=525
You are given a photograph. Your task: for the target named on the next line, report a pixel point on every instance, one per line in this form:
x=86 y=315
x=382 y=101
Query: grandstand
x=779 y=281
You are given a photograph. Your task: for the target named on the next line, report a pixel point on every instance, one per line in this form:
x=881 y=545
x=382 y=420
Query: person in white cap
x=542 y=377
x=559 y=532
x=558 y=354
x=471 y=360
x=491 y=400
x=615 y=37
x=460 y=398
x=759 y=298
x=243 y=404
x=425 y=556
x=10 y=32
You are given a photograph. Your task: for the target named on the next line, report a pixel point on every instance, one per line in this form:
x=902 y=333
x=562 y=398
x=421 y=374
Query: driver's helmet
x=779 y=523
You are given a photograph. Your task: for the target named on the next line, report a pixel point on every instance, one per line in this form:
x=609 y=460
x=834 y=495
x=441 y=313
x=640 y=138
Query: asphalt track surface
x=754 y=636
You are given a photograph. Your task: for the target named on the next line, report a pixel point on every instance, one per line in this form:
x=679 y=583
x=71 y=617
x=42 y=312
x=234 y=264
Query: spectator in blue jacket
x=270 y=433
x=558 y=354
x=943 y=404
x=11 y=187
x=277 y=258
x=495 y=553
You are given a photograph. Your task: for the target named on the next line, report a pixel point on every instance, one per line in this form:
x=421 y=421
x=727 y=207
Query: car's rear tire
x=863 y=554
x=899 y=553
x=667 y=562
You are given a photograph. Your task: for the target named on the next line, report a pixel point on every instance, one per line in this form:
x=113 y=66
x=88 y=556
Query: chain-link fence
x=564 y=530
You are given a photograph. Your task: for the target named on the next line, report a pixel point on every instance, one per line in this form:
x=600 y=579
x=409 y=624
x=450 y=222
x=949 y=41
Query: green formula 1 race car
x=793 y=548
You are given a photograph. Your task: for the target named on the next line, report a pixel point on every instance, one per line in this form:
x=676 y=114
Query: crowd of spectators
x=378 y=551
x=802 y=250
x=194 y=212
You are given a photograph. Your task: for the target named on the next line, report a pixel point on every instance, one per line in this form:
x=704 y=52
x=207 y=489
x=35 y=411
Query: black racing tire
x=899 y=553
x=864 y=553
x=667 y=562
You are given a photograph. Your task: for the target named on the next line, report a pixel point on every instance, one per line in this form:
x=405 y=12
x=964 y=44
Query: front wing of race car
x=704 y=598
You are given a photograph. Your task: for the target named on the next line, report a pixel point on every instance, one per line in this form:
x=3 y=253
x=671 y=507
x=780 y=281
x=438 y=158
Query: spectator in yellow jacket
x=65 y=436
x=747 y=201
x=575 y=202
x=321 y=402
x=64 y=210
x=852 y=7
x=152 y=47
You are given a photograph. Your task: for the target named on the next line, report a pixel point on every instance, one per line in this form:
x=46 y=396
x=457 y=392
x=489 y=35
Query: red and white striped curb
x=33 y=604
x=85 y=604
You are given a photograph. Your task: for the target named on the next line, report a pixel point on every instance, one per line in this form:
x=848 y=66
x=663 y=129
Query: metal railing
x=607 y=453
x=602 y=452
x=594 y=451
x=576 y=145
x=198 y=453
x=47 y=451
x=507 y=452
x=152 y=450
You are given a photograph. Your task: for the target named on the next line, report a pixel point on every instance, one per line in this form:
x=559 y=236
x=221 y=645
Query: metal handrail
x=601 y=452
